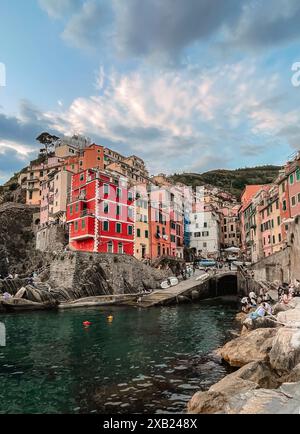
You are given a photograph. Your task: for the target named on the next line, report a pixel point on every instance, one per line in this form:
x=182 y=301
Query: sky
x=189 y=86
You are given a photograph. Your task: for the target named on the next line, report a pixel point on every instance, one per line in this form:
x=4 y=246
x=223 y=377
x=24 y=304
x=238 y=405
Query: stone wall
x=284 y=265
x=92 y=274
x=52 y=238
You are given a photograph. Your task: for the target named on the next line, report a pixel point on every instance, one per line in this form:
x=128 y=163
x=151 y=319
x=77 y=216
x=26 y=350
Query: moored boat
x=21 y=305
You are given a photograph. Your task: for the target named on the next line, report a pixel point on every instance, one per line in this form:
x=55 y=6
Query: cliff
x=17 y=239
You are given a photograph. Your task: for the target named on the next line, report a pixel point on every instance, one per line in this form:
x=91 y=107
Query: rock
x=264 y=322
x=293 y=376
x=21 y=293
x=240 y=317
x=254 y=346
x=285 y=400
x=279 y=307
x=290 y=317
x=285 y=352
x=207 y=403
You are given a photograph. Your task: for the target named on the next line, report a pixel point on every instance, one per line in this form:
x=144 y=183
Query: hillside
x=232 y=181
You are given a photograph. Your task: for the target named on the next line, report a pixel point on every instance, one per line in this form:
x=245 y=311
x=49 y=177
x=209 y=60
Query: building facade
x=100 y=213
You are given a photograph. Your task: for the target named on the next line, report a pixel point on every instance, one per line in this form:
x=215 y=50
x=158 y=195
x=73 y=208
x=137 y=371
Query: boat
x=21 y=305
x=165 y=284
x=173 y=281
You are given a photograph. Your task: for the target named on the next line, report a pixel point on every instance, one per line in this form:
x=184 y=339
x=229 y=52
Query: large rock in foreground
x=285 y=353
x=218 y=398
x=251 y=347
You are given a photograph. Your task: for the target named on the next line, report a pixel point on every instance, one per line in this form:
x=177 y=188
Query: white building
x=205 y=233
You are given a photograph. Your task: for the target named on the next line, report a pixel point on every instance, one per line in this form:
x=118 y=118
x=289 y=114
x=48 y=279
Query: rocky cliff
x=268 y=381
x=17 y=240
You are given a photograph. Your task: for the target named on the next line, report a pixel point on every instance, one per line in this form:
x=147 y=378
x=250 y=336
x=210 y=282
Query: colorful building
x=142 y=228
x=100 y=213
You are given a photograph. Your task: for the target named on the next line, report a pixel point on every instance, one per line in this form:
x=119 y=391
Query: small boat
x=173 y=281
x=165 y=284
x=21 y=305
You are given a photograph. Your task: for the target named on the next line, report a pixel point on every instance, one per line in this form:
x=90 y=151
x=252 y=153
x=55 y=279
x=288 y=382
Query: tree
x=49 y=141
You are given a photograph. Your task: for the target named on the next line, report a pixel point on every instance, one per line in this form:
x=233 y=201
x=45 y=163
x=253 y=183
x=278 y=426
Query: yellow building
x=35 y=175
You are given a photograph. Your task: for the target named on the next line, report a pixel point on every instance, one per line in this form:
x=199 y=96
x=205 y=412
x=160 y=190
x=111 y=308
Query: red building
x=100 y=213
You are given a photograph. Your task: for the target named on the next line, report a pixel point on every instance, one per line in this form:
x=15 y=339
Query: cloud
x=168 y=31
x=86 y=27
x=59 y=8
x=183 y=118
x=267 y=24
x=167 y=27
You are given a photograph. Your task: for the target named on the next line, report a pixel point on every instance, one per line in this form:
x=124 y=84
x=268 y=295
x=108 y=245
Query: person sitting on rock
x=268 y=308
x=259 y=313
x=246 y=305
x=286 y=297
x=253 y=298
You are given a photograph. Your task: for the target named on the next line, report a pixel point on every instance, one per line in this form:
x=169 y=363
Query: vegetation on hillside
x=233 y=181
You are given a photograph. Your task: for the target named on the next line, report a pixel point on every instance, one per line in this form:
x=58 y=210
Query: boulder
x=290 y=317
x=21 y=293
x=285 y=352
x=252 y=347
x=258 y=323
x=207 y=403
x=240 y=317
x=285 y=400
x=218 y=398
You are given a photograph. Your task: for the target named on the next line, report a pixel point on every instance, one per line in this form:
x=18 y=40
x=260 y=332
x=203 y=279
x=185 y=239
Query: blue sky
x=187 y=85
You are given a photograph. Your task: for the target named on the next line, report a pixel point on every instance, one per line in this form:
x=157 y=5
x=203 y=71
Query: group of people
x=286 y=292
x=261 y=303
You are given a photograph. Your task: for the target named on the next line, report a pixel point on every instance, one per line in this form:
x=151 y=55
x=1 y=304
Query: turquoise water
x=145 y=361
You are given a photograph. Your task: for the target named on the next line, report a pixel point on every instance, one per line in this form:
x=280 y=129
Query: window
x=118 y=210
x=120 y=249
x=205 y=225
x=274 y=239
x=298 y=197
x=146 y=234
x=130 y=213
x=130 y=196
x=106 y=189
x=279 y=238
x=118 y=228
x=277 y=204
x=77 y=207
x=110 y=247
x=284 y=205
x=197 y=234
x=81 y=176
x=204 y=245
x=283 y=187
x=71 y=209
x=293 y=200
x=76 y=226
x=291 y=179
x=105 y=207
x=298 y=174
x=278 y=221
x=106 y=226
x=119 y=193
x=83 y=224
x=130 y=230
x=138 y=233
